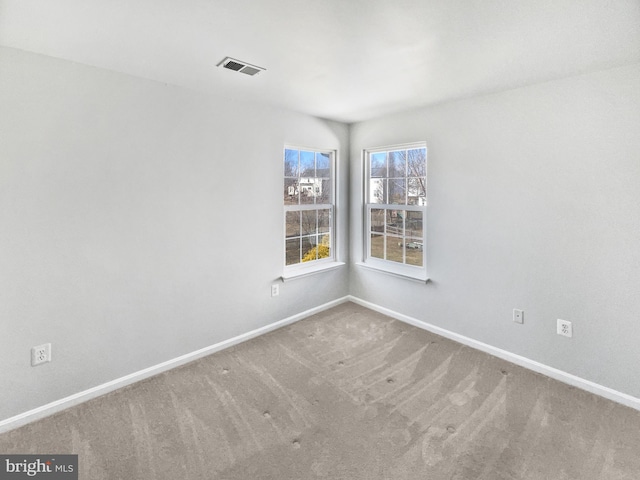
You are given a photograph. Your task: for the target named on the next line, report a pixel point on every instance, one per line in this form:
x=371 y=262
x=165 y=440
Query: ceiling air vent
x=240 y=66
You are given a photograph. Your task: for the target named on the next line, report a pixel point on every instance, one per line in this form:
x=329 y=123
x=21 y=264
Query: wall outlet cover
x=518 y=315
x=40 y=354
x=564 y=328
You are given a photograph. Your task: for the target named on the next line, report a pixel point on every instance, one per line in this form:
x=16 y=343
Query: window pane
x=324 y=194
x=307 y=164
x=293 y=224
x=291 y=196
x=395 y=223
x=323 y=165
x=324 y=221
x=394 y=249
x=309 y=219
x=308 y=190
x=415 y=240
x=324 y=249
x=377 y=246
x=398 y=163
x=397 y=192
x=414 y=225
x=293 y=251
x=377 y=190
x=417 y=163
x=414 y=248
x=379 y=164
x=290 y=163
x=416 y=191
x=377 y=220
x=308 y=248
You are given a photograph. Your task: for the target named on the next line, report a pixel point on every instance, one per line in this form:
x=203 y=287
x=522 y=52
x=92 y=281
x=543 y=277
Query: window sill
x=305 y=272
x=406 y=276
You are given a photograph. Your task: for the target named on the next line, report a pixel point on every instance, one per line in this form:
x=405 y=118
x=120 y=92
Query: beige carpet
x=346 y=394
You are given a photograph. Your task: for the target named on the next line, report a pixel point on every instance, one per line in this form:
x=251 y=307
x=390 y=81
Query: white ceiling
x=347 y=60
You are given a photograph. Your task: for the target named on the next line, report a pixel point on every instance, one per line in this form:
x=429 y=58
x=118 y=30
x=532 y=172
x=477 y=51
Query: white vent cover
x=240 y=66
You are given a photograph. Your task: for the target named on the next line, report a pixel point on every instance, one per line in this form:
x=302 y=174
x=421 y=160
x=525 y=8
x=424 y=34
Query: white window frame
x=322 y=264
x=405 y=270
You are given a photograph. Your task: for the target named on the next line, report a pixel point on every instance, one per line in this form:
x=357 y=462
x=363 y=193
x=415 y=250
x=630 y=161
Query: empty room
x=339 y=239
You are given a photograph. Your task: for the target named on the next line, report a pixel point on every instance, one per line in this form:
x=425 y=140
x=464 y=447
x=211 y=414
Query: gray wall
x=534 y=203
x=124 y=237
x=138 y=222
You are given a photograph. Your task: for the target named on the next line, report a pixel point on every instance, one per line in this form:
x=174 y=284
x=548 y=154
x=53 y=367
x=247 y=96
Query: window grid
x=308 y=204
x=396 y=206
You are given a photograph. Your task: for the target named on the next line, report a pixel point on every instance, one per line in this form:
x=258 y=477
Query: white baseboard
x=77 y=398
x=527 y=363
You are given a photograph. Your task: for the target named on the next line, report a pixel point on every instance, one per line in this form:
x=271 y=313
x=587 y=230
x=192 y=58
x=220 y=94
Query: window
x=308 y=207
x=396 y=207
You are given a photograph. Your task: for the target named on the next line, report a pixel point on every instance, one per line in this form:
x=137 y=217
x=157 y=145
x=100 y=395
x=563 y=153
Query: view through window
x=308 y=205
x=396 y=206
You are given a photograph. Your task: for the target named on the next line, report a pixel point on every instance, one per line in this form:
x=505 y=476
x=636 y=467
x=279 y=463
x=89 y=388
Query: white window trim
x=386 y=270
x=300 y=270
x=412 y=272
x=319 y=266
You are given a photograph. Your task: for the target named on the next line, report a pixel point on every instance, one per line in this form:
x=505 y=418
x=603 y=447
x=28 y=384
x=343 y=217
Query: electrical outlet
x=275 y=290
x=564 y=328
x=518 y=315
x=40 y=354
